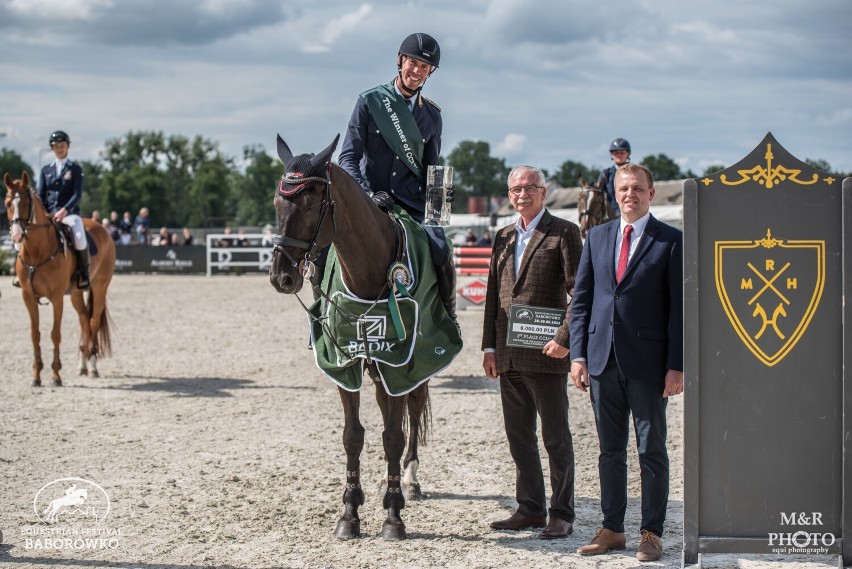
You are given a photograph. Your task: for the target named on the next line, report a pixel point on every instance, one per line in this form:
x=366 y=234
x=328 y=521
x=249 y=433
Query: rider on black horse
x=389 y=157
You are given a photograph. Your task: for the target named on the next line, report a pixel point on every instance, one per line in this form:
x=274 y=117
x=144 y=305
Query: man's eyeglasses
x=516 y=191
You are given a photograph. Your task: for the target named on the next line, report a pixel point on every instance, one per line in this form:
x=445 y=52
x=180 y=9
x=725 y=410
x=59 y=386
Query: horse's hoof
x=94 y=374
x=393 y=531
x=57 y=382
x=83 y=372
x=347 y=529
x=36 y=382
x=412 y=491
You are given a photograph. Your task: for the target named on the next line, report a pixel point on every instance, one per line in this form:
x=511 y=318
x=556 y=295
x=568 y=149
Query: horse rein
x=30 y=224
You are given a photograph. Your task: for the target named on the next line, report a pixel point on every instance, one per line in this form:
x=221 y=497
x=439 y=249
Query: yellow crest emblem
x=770 y=289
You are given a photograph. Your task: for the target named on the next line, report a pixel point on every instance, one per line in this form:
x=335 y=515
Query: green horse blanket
x=411 y=338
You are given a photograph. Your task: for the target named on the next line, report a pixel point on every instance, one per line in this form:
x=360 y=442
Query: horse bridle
x=310 y=247
x=604 y=213
x=17 y=220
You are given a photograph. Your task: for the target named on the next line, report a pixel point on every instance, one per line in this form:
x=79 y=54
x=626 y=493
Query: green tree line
x=190 y=182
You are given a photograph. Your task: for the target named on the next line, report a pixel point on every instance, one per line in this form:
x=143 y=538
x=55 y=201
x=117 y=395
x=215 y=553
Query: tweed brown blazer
x=545 y=278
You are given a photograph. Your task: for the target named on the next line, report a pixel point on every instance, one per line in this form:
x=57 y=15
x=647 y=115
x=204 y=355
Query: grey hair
x=518 y=169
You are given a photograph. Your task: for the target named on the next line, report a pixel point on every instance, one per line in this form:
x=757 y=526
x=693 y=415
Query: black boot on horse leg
x=394 y=502
x=393 y=439
x=83 y=278
x=349 y=524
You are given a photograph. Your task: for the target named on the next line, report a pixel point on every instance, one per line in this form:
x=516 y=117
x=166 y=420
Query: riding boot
x=83 y=278
x=446 y=275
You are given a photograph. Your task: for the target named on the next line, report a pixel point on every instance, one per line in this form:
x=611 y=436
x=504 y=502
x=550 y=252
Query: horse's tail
x=420 y=399
x=104 y=338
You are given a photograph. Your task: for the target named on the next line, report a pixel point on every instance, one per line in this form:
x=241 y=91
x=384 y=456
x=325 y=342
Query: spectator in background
x=125 y=228
x=187 y=236
x=96 y=215
x=165 y=238
x=226 y=241
x=111 y=229
x=268 y=236
x=174 y=240
x=485 y=240
x=241 y=240
x=470 y=239
x=143 y=226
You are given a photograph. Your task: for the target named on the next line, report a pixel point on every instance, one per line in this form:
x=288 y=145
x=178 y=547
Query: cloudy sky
x=540 y=81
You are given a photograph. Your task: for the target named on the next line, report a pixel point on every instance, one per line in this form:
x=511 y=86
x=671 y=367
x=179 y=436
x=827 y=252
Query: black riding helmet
x=619 y=144
x=59 y=136
x=421 y=47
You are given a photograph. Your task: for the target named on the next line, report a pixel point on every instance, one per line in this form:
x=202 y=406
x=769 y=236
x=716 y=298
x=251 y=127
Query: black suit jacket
x=641 y=317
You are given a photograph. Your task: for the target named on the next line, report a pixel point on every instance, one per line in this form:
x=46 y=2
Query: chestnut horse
x=46 y=267
x=593 y=207
x=323 y=206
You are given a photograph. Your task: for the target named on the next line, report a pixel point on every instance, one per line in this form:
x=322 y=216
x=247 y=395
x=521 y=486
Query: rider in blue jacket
x=393 y=172
x=619 y=151
x=60 y=188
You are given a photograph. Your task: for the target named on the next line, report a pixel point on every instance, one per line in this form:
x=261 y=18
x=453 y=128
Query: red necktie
x=623 y=254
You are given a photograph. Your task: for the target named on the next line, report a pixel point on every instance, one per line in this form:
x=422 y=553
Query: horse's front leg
x=31 y=302
x=393 y=437
x=349 y=524
x=79 y=304
x=418 y=417
x=56 y=335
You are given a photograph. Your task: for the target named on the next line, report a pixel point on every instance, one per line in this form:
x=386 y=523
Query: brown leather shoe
x=519 y=521
x=650 y=548
x=604 y=540
x=556 y=528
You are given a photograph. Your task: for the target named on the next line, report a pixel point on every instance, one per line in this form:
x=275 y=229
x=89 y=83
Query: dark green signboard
x=764 y=350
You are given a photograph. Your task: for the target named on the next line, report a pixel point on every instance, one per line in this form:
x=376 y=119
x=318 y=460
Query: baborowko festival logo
x=72 y=512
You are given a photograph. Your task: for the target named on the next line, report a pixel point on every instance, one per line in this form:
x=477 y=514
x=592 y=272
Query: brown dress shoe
x=519 y=521
x=604 y=540
x=650 y=548
x=556 y=528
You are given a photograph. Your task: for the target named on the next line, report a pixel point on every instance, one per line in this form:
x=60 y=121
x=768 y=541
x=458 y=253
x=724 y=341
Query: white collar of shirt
x=408 y=101
x=524 y=236
x=60 y=164
x=519 y=225
x=638 y=231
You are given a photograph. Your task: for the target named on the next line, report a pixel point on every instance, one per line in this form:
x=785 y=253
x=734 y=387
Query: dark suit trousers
x=614 y=398
x=545 y=395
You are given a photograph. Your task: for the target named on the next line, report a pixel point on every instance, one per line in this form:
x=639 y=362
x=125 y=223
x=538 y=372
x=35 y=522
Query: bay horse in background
x=593 y=207
x=46 y=267
x=327 y=206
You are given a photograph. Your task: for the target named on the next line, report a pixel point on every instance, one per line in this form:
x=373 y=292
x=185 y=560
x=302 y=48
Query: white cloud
x=511 y=145
x=58 y=9
x=335 y=28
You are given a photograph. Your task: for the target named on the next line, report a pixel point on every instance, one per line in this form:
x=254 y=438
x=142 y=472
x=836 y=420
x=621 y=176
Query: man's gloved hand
x=383 y=200
x=451 y=193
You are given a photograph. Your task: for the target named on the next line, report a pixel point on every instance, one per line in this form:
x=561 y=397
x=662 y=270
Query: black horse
x=318 y=204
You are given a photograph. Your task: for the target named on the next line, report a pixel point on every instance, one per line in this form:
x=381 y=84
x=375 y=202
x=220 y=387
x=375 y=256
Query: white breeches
x=75 y=222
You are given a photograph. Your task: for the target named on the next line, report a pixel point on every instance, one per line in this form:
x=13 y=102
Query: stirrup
x=83 y=282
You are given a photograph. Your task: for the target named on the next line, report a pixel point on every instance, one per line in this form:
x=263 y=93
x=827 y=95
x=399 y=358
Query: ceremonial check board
x=532 y=326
